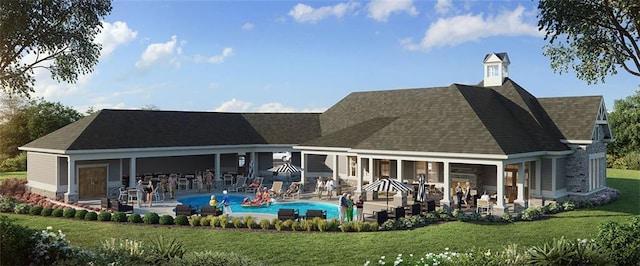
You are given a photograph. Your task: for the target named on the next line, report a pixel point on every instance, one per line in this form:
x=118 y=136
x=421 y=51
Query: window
x=492 y=71
x=596 y=171
x=353 y=164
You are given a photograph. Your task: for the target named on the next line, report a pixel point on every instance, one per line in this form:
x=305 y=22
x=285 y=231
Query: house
x=494 y=135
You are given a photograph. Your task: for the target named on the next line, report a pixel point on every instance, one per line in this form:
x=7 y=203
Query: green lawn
x=355 y=248
x=21 y=174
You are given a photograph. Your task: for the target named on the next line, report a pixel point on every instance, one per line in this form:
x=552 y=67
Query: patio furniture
x=185 y=210
x=105 y=204
x=277 y=188
x=156 y=193
x=227 y=178
x=253 y=189
x=398 y=212
x=117 y=206
x=288 y=214
x=381 y=216
x=123 y=194
x=484 y=206
x=240 y=184
x=316 y=213
x=132 y=196
x=293 y=195
x=416 y=209
x=191 y=180
x=209 y=210
x=183 y=182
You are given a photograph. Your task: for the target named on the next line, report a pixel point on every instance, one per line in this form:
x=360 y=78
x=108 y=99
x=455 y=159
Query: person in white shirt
x=485 y=196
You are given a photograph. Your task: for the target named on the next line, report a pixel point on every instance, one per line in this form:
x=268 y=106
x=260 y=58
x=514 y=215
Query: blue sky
x=293 y=56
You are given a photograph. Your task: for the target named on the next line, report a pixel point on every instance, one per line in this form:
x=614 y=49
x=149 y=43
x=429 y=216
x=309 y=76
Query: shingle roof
x=456 y=119
x=574 y=116
x=116 y=129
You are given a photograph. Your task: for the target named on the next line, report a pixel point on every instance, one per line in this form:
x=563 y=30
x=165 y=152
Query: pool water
x=235 y=200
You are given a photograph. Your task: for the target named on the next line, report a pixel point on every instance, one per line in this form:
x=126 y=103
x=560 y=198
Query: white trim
x=576 y=141
x=256 y=147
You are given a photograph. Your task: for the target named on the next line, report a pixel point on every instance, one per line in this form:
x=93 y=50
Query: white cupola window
x=496 y=69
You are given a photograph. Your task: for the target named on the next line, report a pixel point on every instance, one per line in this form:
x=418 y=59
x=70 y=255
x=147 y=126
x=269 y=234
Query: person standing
x=199 y=181
x=360 y=209
x=467 y=195
x=349 y=208
x=164 y=186
x=173 y=181
x=459 y=195
x=226 y=204
x=208 y=179
x=149 y=190
x=319 y=187
x=342 y=206
x=329 y=186
x=139 y=193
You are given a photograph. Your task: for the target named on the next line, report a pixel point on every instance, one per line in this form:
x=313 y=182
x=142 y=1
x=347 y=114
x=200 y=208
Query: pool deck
x=167 y=206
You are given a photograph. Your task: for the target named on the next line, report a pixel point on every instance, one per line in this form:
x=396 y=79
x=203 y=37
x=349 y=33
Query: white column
x=72 y=185
x=132 y=172
x=399 y=170
x=446 y=199
x=254 y=161
x=371 y=169
x=500 y=207
x=553 y=176
x=520 y=201
x=359 y=174
x=400 y=198
x=303 y=164
x=217 y=175
x=335 y=169
x=539 y=177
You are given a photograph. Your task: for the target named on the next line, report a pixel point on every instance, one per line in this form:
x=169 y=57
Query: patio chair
x=209 y=210
x=288 y=214
x=185 y=209
x=123 y=194
x=240 y=184
x=183 y=182
x=156 y=193
x=277 y=188
x=316 y=213
x=117 y=206
x=227 y=178
x=484 y=206
x=253 y=189
x=293 y=195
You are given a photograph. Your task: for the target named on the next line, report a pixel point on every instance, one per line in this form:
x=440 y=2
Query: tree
x=595 y=37
x=625 y=125
x=56 y=35
x=31 y=121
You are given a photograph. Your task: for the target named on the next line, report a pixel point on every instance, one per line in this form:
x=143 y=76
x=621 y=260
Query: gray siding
x=42 y=167
x=63 y=171
x=532 y=175
x=228 y=162
x=561 y=173
x=265 y=161
x=546 y=174
x=489 y=177
x=316 y=163
x=408 y=170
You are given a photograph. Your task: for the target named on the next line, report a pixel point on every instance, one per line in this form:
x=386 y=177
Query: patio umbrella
x=421 y=191
x=387 y=185
x=250 y=171
x=286 y=168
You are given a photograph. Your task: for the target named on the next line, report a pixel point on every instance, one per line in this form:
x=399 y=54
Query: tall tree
x=57 y=35
x=594 y=37
x=625 y=125
x=31 y=121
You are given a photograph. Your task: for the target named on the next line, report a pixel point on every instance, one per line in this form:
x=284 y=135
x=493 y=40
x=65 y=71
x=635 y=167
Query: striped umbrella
x=421 y=191
x=387 y=185
x=287 y=168
x=250 y=171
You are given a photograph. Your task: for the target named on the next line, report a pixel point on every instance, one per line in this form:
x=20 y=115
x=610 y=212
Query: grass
x=277 y=248
x=21 y=174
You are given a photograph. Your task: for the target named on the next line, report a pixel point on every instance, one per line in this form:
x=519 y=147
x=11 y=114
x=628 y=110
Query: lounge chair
x=209 y=210
x=288 y=214
x=316 y=213
x=277 y=188
x=240 y=184
x=185 y=209
x=253 y=189
x=117 y=206
x=293 y=195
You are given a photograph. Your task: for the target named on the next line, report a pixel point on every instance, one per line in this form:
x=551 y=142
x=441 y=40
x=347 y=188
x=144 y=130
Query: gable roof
x=118 y=129
x=456 y=119
x=574 y=116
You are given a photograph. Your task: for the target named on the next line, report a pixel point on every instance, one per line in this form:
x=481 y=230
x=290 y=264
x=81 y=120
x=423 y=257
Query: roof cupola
x=496 y=69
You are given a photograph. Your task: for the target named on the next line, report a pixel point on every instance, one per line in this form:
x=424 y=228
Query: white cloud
x=380 y=10
x=216 y=59
x=466 y=28
x=113 y=35
x=274 y=108
x=304 y=13
x=233 y=106
x=247 y=26
x=443 y=6
x=157 y=52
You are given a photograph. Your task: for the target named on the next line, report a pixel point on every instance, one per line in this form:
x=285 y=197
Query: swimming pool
x=235 y=200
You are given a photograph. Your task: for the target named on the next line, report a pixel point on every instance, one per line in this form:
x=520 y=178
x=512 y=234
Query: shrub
x=250 y=222
x=206 y=221
x=151 y=218
x=358 y=226
x=183 y=220
x=459 y=215
x=122 y=252
x=532 y=213
x=333 y=225
x=57 y=212
x=69 y=212
x=80 y=214
x=432 y=217
x=195 y=221
x=475 y=216
x=508 y=218
x=18 y=163
x=347 y=227
x=621 y=242
x=214 y=220
x=21 y=208
x=321 y=224
x=13 y=186
x=632 y=160
x=553 y=207
x=135 y=218
x=104 y=216
x=237 y=223
x=308 y=225
x=278 y=225
x=287 y=224
x=568 y=205
x=564 y=252
x=35 y=210
x=165 y=250
x=46 y=211
x=296 y=226
x=265 y=224
x=50 y=247
x=119 y=217
x=15 y=240
x=216 y=259
x=7 y=203
x=166 y=219
x=91 y=216
x=224 y=220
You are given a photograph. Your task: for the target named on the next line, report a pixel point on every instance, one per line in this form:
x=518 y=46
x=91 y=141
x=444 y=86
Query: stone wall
x=577 y=167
